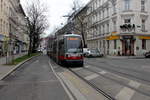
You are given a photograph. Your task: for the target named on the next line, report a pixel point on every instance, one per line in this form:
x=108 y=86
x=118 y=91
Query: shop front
x=128 y=45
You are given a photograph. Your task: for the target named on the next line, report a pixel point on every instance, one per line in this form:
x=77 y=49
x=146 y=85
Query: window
x=114 y=26
x=142 y=5
x=100 y=30
x=103 y=29
x=114 y=8
x=127 y=4
x=103 y=14
x=108 y=28
x=107 y=12
x=127 y=21
x=143 y=25
x=144 y=44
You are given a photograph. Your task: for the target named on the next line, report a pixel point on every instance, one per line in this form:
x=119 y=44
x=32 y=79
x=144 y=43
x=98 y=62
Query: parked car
x=86 y=51
x=147 y=54
x=94 y=53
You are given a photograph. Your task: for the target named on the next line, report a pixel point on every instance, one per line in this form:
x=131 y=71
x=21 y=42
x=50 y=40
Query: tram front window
x=74 y=45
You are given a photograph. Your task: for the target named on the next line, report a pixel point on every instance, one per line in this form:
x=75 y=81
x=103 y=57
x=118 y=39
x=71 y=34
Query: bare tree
x=36 y=24
x=79 y=18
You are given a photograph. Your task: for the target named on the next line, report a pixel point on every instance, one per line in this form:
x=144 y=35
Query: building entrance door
x=128 y=46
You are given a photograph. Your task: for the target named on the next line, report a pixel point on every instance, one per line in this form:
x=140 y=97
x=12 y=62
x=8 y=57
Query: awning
x=144 y=37
x=113 y=38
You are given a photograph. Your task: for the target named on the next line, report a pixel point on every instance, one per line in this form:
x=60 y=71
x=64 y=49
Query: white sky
x=56 y=10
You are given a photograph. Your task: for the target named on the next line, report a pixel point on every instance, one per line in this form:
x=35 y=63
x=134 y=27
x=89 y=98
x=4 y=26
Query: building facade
x=4 y=23
x=12 y=27
x=119 y=27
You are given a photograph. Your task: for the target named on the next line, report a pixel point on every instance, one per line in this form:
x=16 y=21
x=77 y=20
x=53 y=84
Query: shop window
x=144 y=44
x=115 y=44
x=143 y=25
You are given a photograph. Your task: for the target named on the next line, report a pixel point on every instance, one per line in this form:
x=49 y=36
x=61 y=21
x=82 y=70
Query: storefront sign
x=127 y=37
x=144 y=37
x=112 y=38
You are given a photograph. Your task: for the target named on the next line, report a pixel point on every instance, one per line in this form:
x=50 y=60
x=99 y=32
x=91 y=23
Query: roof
x=72 y=35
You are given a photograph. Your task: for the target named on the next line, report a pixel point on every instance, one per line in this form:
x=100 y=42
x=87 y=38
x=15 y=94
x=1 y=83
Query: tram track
x=113 y=70
x=102 y=91
x=119 y=82
x=109 y=97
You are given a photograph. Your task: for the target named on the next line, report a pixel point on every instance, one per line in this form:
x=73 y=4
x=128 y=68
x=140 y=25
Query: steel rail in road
x=119 y=72
x=93 y=86
x=118 y=82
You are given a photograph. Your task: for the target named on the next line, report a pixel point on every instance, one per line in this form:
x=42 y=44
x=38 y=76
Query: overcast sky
x=56 y=10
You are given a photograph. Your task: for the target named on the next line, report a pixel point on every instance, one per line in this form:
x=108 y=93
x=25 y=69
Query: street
x=123 y=79
x=32 y=81
x=39 y=79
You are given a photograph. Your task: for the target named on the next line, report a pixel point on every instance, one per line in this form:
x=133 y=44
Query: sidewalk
x=5 y=69
x=125 y=57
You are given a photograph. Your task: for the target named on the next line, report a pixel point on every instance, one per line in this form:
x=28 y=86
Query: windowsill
x=144 y=30
x=128 y=11
x=144 y=11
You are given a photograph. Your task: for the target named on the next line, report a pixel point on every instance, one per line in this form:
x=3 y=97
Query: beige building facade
x=4 y=23
x=12 y=27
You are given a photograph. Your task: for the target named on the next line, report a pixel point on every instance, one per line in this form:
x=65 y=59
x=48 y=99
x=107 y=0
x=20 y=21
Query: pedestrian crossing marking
x=87 y=66
x=91 y=77
x=102 y=72
x=127 y=93
x=76 y=69
x=134 y=84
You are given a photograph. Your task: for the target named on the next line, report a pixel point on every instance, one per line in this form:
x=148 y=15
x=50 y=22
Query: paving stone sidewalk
x=5 y=69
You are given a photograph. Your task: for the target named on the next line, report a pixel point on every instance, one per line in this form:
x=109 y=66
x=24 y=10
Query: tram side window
x=61 y=46
x=54 y=47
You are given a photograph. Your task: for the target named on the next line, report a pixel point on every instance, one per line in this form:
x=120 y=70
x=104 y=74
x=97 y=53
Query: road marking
x=146 y=67
x=73 y=89
x=127 y=93
x=91 y=77
x=102 y=72
x=62 y=83
x=87 y=66
x=134 y=84
x=77 y=69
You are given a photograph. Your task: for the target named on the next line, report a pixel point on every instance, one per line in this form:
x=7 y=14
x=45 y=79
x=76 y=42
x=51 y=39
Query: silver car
x=94 y=53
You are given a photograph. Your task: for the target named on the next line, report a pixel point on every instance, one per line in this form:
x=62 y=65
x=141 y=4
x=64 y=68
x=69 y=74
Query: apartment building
x=4 y=23
x=12 y=27
x=119 y=27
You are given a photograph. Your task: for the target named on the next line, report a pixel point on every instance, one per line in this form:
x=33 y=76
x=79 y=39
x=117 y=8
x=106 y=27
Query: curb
x=127 y=57
x=16 y=67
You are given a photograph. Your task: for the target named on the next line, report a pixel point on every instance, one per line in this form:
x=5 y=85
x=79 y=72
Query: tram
x=66 y=49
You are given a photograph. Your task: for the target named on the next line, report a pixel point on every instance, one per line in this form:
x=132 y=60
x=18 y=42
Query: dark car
x=147 y=54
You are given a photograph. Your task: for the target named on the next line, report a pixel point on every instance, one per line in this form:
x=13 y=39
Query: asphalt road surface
x=33 y=81
x=123 y=79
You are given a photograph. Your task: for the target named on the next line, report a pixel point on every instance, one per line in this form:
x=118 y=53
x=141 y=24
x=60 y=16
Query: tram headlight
x=68 y=55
